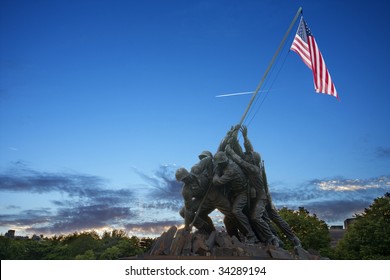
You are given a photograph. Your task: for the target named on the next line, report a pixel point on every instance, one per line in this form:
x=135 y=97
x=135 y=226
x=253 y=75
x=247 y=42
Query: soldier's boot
x=274 y=241
x=296 y=242
x=251 y=239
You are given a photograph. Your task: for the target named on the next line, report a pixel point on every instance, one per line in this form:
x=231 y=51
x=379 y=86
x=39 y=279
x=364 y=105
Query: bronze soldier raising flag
x=234 y=182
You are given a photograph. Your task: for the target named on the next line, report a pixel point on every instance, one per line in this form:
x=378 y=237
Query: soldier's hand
x=244 y=131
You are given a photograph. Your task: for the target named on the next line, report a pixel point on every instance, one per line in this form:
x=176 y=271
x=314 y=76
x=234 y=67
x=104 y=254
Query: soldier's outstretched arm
x=247 y=143
x=225 y=140
x=233 y=141
x=242 y=163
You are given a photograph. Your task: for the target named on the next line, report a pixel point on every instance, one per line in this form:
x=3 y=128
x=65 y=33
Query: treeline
x=77 y=246
x=367 y=238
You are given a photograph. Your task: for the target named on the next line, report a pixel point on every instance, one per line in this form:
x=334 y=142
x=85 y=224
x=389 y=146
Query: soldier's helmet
x=181 y=174
x=205 y=154
x=220 y=158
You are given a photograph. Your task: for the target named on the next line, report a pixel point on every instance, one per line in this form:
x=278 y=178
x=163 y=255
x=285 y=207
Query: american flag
x=306 y=47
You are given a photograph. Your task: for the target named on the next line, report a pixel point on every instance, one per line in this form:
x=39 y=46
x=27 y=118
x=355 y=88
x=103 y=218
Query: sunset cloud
x=334 y=199
x=88 y=202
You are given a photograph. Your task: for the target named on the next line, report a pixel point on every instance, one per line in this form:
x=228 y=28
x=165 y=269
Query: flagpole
x=270 y=64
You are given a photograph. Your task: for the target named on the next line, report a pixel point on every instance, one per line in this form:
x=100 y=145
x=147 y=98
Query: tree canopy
x=84 y=245
x=313 y=232
x=369 y=235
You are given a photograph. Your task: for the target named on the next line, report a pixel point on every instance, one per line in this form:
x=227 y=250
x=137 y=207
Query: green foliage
x=369 y=236
x=79 y=246
x=118 y=245
x=25 y=249
x=5 y=248
x=146 y=243
x=111 y=253
x=313 y=232
x=88 y=255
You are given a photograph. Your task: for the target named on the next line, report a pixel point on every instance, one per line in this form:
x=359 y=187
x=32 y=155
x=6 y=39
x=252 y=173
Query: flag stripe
x=306 y=47
x=302 y=49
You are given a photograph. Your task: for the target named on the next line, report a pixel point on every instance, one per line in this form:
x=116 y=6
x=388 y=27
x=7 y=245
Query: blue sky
x=101 y=101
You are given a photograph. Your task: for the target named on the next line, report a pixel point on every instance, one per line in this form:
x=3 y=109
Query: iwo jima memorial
x=233 y=180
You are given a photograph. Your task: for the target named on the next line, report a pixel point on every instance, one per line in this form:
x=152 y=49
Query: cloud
x=67 y=220
x=87 y=202
x=26 y=218
x=173 y=205
x=85 y=217
x=11 y=207
x=81 y=186
x=23 y=179
x=334 y=199
x=152 y=228
x=162 y=183
x=337 y=211
x=383 y=152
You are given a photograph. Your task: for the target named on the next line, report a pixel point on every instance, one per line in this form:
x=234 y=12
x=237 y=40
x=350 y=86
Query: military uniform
x=258 y=195
x=229 y=174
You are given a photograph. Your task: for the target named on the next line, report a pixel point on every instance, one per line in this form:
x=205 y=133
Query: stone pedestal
x=180 y=244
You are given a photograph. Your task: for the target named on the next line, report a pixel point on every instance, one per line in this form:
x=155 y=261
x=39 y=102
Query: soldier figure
x=204 y=168
x=222 y=183
x=201 y=198
x=231 y=139
x=257 y=195
x=192 y=194
x=230 y=174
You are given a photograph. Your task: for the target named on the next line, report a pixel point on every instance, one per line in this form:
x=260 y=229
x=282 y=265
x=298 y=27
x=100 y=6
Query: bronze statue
x=201 y=198
x=229 y=173
x=193 y=194
x=257 y=196
x=235 y=183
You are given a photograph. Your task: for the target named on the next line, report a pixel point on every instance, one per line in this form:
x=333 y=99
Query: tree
x=117 y=245
x=369 y=235
x=79 y=243
x=81 y=246
x=146 y=243
x=13 y=249
x=112 y=238
x=129 y=247
x=5 y=248
x=313 y=232
x=112 y=253
x=88 y=255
